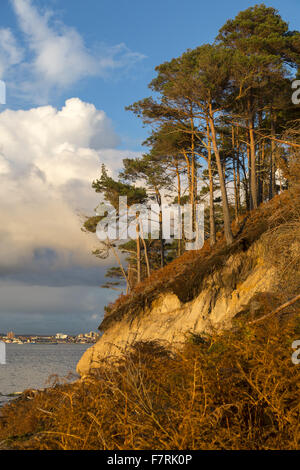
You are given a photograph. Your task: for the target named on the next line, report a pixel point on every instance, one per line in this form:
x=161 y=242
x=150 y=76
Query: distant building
x=61 y=336
x=91 y=334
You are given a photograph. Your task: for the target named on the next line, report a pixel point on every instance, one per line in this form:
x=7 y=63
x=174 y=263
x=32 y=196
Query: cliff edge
x=204 y=290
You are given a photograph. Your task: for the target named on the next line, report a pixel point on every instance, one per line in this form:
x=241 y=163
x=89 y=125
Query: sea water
x=29 y=366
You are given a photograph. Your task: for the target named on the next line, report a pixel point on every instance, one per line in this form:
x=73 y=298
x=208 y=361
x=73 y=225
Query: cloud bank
x=47 y=310
x=48 y=159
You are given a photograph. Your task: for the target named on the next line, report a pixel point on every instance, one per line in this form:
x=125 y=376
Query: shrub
x=235 y=390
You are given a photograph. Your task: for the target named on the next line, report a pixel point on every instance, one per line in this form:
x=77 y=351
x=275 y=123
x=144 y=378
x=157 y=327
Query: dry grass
x=238 y=390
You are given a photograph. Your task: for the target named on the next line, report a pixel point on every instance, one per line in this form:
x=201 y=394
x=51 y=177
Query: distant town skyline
x=12 y=338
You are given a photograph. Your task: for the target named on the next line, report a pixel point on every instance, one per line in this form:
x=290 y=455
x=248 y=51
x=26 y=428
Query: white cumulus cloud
x=55 y=55
x=48 y=159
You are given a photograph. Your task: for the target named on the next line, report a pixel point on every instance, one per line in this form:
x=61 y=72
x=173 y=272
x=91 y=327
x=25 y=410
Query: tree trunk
x=179 y=204
x=126 y=277
x=245 y=180
x=262 y=164
x=193 y=177
x=236 y=205
x=162 y=244
x=212 y=221
x=238 y=180
x=138 y=251
x=272 y=185
x=145 y=251
x=253 y=192
x=226 y=213
x=259 y=163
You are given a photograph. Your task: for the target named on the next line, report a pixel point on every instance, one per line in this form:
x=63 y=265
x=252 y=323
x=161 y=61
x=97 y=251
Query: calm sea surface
x=30 y=365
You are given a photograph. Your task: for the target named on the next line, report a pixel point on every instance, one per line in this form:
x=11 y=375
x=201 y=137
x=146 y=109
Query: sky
x=70 y=68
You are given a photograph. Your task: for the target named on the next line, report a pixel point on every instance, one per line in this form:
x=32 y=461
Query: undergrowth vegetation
x=235 y=390
x=185 y=275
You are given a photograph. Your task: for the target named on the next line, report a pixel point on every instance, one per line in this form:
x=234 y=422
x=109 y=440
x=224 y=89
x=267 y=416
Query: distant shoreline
x=58 y=338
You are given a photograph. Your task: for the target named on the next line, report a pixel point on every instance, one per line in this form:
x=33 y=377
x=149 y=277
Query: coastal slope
x=202 y=291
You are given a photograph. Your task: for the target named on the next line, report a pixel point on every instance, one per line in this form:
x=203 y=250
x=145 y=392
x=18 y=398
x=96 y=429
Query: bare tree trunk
x=253 y=193
x=272 y=186
x=179 y=204
x=238 y=180
x=212 y=220
x=236 y=205
x=138 y=250
x=128 y=286
x=162 y=244
x=259 y=163
x=249 y=174
x=192 y=195
x=245 y=180
x=262 y=161
x=226 y=213
x=145 y=250
x=188 y=165
x=193 y=177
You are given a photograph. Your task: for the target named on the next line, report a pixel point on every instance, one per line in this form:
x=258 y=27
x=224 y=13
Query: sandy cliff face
x=224 y=294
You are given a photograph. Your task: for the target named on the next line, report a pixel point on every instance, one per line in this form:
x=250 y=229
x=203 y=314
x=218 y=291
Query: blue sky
x=159 y=30
x=71 y=67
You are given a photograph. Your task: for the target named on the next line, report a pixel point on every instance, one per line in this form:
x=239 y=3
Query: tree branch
x=279 y=309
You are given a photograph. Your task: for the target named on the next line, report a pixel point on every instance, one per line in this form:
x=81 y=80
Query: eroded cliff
x=206 y=290
x=224 y=294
